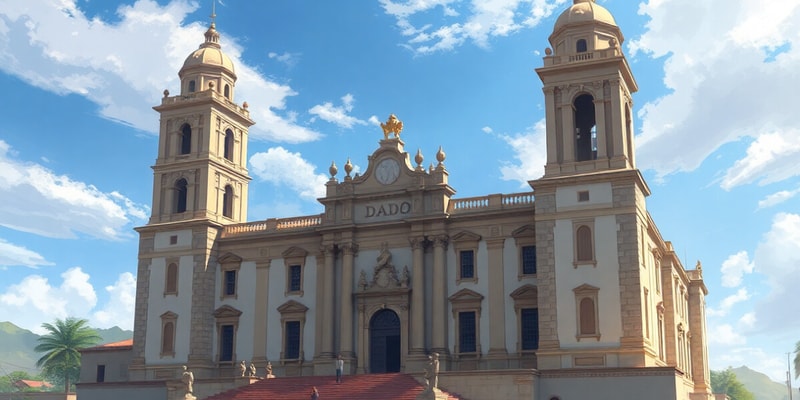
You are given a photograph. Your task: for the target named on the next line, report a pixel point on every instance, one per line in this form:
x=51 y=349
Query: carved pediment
x=169 y=315
x=465 y=295
x=226 y=312
x=294 y=251
x=292 y=306
x=525 y=292
x=585 y=288
x=465 y=236
x=229 y=258
x=524 y=231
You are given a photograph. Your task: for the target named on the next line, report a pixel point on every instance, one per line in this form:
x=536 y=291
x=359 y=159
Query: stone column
x=320 y=295
x=417 y=297
x=497 y=312
x=346 y=322
x=260 y=316
x=439 y=337
x=327 y=304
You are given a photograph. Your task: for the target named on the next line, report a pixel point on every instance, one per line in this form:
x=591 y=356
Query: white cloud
x=487 y=129
x=480 y=20
x=289 y=59
x=34 y=300
x=727 y=303
x=719 y=67
x=529 y=152
x=54 y=46
x=119 y=309
x=281 y=167
x=12 y=255
x=337 y=115
x=777 y=198
x=37 y=200
x=777 y=257
x=725 y=334
x=734 y=268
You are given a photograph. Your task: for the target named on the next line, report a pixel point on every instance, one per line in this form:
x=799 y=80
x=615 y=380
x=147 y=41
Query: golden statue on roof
x=392 y=125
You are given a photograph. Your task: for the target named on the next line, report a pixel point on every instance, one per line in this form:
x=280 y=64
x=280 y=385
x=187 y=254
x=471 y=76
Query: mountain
x=17 y=344
x=762 y=386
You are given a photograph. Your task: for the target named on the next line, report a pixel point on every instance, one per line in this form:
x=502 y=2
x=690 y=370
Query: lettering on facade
x=387 y=209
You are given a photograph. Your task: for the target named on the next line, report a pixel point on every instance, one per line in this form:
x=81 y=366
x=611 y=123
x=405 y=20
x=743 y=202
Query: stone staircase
x=353 y=387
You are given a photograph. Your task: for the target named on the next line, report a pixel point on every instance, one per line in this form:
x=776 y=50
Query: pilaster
x=497 y=334
x=417 y=297
x=439 y=337
x=346 y=322
x=260 y=338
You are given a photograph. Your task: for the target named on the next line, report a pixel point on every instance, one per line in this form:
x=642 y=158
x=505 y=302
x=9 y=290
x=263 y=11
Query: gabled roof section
x=466 y=236
x=229 y=258
x=464 y=295
x=294 y=251
x=292 y=306
x=525 y=292
x=226 y=311
x=524 y=231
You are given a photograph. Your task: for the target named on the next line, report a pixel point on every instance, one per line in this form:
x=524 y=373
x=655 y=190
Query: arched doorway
x=384 y=342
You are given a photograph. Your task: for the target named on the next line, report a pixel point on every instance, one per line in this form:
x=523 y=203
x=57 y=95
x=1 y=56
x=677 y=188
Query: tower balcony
x=611 y=52
x=203 y=96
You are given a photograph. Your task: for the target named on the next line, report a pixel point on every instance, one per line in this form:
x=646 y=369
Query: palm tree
x=61 y=345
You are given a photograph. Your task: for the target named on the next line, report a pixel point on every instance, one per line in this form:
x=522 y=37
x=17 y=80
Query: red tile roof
x=121 y=345
x=23 y=383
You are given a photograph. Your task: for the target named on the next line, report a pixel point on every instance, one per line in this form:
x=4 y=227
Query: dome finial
x=213 y=12
x=212 y=36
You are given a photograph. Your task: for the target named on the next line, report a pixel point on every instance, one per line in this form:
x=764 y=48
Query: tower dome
x=583 y=11
x=209 y=54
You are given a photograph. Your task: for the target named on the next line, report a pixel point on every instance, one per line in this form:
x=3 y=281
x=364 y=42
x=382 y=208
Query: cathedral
x=566 y=291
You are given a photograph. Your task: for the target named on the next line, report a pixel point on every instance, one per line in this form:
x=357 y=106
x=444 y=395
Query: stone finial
x=392 y=125
x=166 y=93
x=348 y=167
x=419 y=159
x=440 y=156
x=211 y=85
x=430 y=168
x=245 y=105
x=548 y=51
x=333 y=170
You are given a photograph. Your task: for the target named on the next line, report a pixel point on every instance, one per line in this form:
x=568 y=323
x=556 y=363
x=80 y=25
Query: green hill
x=762 y=386
x=17 y=344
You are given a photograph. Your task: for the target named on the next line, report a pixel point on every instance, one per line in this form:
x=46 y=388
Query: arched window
x=587 y=318
x=186 y=139
x=171 y=284
x=583 y=242
x=585 y=133
x=180 y=195
x=580 y=46
x=168 y=338
x=192 y=86
x=227 y=202
x=228 y=145
x=227 y=91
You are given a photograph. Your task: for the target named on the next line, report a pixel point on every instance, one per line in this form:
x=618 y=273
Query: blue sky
x=716 y=122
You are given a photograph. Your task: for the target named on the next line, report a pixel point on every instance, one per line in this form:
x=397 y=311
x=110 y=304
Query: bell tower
x=587 y=86
x=200 y=183
x=595 y=297
x=201 y=169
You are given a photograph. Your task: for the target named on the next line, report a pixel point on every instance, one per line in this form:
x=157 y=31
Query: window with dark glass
x=101 y=373
x=585 y=128
x=529 y=329
x=226 y=343
x=466 y=332
x=186 y=139
x=230 y=283
x=295 y=278
x=192 y=87
x=529 y=260
x=227 y=92
x=181 y=193
x=580 y=46
x=228 y=145
x=292 y=350
x=467 y=264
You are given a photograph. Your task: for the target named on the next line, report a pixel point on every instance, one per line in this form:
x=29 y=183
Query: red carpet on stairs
x=353 y=387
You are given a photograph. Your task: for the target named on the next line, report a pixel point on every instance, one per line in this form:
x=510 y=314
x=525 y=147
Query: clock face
x=387 y=171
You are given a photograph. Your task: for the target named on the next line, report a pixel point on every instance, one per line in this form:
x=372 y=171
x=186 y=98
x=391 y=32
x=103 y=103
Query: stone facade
x=536 y=298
